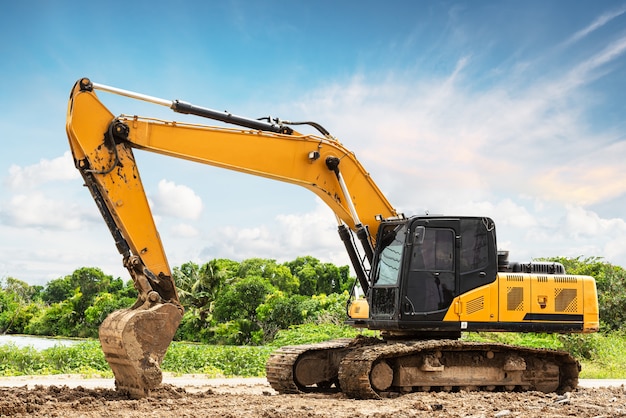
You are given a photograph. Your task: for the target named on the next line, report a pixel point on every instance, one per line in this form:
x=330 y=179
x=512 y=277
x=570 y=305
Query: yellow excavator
x=425 y=279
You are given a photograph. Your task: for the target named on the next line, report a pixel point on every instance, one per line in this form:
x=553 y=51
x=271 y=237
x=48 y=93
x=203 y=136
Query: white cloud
x=37 y=210
x=522 y=151
x=177 y=201
x=438 y=137
x=553 y=229
x=38 y=255
x=183 y=230
x=615 y=249
x=315 y=230
x=584 y=223
x=512 y=140
x=597 y=23
x=287 y=237
x=590 y=69
x=60 y=168
x=506 y=211
x=593 y=176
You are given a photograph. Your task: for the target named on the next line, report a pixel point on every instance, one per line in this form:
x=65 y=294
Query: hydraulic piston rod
x=188 y=108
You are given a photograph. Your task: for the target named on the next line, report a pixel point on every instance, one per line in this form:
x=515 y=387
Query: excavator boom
x=135 y=340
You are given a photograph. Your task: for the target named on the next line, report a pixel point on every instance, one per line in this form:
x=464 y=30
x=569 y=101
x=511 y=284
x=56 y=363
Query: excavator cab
x=421 y=265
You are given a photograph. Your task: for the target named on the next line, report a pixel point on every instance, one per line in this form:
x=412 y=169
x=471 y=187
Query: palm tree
x=199 y=286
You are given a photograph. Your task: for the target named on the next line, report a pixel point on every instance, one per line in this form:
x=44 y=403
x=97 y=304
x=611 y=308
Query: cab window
x=390 y=255
x=436 y=252
x=475 y=246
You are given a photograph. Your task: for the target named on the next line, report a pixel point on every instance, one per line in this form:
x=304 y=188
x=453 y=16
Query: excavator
x=424 y=280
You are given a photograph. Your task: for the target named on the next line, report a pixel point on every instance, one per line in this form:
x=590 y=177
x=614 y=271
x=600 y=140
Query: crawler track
x=387 y=370
x=369 y=368
x=314 y=361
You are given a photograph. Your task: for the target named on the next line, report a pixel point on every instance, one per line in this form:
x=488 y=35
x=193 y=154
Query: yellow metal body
x=518 y=298
x=122 y=189
x=359 y=309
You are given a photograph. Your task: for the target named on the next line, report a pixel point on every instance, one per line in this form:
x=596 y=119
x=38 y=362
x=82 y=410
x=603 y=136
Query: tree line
x=230 y=302
x=226 y=302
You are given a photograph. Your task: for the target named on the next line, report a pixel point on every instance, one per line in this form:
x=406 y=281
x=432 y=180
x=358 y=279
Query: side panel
x=556 y=298
x=530 y=303
x=478 y=305
x=514 y=297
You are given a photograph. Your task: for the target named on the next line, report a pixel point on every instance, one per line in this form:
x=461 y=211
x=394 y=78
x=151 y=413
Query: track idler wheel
x=134 y=342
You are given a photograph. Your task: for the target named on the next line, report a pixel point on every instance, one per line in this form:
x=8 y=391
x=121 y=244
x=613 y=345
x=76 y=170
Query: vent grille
x=475 y=305
x=515 y=298
x=514 y=278
x=565 y=279
x=545 y=268
x=565 y=300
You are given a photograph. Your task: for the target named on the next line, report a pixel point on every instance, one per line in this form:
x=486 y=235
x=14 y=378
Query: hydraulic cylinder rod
x=188 y=108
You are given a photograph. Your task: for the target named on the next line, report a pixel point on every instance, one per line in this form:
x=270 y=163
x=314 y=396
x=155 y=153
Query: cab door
x=432 y=281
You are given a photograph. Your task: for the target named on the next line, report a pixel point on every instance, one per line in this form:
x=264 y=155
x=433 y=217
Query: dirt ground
x=194 y=396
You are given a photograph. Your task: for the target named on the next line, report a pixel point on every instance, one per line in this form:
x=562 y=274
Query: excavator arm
x=135 y=340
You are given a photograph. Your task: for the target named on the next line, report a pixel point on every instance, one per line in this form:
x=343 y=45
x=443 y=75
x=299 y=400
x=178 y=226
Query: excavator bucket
x=134 y=342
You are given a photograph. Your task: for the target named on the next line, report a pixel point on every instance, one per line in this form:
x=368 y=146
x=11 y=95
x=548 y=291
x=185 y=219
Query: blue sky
x=513 y=110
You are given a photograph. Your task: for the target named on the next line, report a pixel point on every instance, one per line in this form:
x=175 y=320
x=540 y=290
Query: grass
x=603 y=356
x=84 y=358
x=216 y=360
x=606 y=358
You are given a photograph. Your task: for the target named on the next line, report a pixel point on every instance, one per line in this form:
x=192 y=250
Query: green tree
x=69 y=297
x=104 y=304
x=241 y=300
x=8 y=308
x=235 y=311
x=57 y=290
x=58 y=319
x=316 y=277
x=21 y=289
x=127 y=291
x=115 y=285
x=280 y=312
x=192 y=328
x=198 y=286
x=332 y=279
x=279 y=276
x=90 y=281
x=328 y=309
x=185 y=277
x=261 y=267
x=18 y=304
